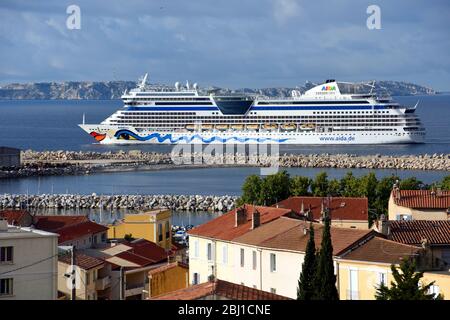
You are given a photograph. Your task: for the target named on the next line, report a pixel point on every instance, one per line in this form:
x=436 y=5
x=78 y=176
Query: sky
x=232 y=43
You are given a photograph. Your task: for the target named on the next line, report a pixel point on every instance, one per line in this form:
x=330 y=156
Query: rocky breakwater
x=108 y=202
x=407 y=162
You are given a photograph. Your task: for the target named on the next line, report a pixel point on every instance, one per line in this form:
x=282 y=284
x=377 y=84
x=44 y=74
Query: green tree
x=368 y=188
x=305 y=290
x=411 y=184
x=251 y=190
x=325 y=279
x=350 y=185
x=334 y=188
x=299 y=186
x=383 y=192
x=406 y=284
x=445 y=184
x=274 y=188
x=128 y=237
x=320 y=185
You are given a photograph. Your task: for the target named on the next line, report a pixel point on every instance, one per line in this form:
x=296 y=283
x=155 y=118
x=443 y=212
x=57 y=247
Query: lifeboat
x=237 y=126
x=270 y=126
x=221 y=127
x=190 y=127
x=207 y=126
x=289 y=126
x=252 y=126
x=307 y=126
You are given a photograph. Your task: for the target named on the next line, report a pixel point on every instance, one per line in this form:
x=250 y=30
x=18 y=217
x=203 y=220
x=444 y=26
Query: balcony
x=134 y=289
x=103 y=283
x=352 y=295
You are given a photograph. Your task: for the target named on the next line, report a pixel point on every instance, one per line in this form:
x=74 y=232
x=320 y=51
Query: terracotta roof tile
x=289 y=234
x=168 y=267
x=224 y=228
x=82 y=260
x=423 y=199
x=79 y=230
x=413 y=232
x=15 y=217
x=381 y=250
x=53 y=223
x=341 y=208
x=222 y=289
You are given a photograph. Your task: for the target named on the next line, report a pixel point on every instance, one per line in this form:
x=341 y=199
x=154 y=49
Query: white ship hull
x=114 y=135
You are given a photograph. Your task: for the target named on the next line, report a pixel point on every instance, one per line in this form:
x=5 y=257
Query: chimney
x=383 y=226
x=256 y=219
x=240 y=216
x=3 y=224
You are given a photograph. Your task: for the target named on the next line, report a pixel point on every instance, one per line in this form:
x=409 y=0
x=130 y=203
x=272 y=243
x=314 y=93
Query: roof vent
x=342 y=204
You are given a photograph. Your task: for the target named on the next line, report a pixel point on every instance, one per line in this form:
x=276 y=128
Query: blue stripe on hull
x=187 y=139
x=193 y=108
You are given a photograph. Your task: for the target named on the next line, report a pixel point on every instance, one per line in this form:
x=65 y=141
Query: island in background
x=114 y=89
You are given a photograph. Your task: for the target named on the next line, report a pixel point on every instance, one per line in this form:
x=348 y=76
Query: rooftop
x=224 y=227
x=79 y=230
x=14 y=232
x=293 y=234
x=219 y=289
x=415 y=231
x=381 y=250
x=168 y=267
x=15 y=217
x=53 y=223
x=424 y=199
x=341 y=208
x=82 y=260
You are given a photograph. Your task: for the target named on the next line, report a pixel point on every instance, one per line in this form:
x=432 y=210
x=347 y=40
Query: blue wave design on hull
x=163 y=138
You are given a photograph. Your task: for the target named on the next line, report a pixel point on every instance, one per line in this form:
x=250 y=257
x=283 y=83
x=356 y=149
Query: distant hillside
x=114 y=89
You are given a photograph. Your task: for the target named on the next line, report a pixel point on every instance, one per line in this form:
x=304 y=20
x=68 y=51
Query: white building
x=259 y=247
x=28 y=263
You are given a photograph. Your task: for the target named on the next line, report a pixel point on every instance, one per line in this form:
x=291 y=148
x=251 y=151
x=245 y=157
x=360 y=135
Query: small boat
x=237 y=126
x=207 y=126
x=270 y=126
x=289 y=126
x=180 y=234
x=252 y=126
x=221 y=127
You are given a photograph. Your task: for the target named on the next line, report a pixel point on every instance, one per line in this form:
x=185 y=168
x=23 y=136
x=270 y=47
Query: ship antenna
x=84 y=118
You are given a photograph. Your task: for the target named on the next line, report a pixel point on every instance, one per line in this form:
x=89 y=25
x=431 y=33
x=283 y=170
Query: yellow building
x=154 y=226
x=168 y=278
x=419 y=205
x=361 y=271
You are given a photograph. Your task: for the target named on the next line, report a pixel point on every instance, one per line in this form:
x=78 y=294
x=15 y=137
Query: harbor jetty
x=189 y=203
x=38 y=163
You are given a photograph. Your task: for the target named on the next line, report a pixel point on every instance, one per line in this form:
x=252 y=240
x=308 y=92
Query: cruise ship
x=329 y=113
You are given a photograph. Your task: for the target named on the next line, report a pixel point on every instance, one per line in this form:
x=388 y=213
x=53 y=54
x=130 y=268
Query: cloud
x=285 y=10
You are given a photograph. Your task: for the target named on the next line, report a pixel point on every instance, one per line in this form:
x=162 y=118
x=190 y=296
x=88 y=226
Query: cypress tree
x=305 y=290
x=325 y=279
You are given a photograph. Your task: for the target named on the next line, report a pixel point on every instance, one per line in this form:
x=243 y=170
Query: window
x=6 y=254
x=225 y=254
x=196 y=248
x=434 y=290
x=209 y=251
x=6 y=287
x=196 y=278
x=160 y=235
x=242 y=258
x=167 y=230
x=103 y=237
x=88 y=278
x=382 y=278
x=273 y=262
x=254 y=260
x=273 y=290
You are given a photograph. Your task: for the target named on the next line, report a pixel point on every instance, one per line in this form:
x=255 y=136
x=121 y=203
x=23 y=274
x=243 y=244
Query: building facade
x=154 y=226
x=28 y=263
